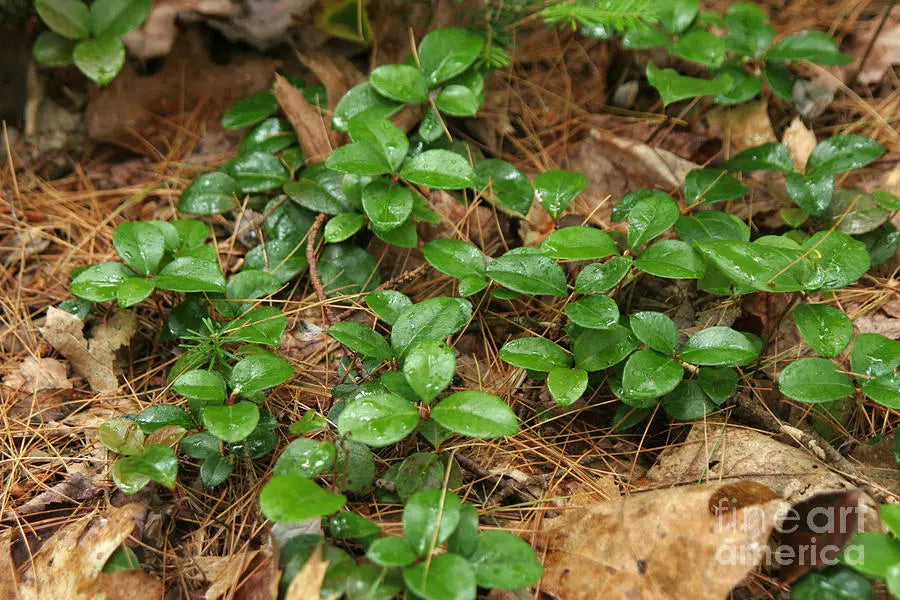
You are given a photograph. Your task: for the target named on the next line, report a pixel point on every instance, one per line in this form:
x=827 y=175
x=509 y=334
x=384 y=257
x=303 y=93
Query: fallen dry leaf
x=223 y=572
x=307 y=584
x=156 y=36
x=800 y=142
x=130 y=585
x=69 y=565
x=75 y=488
x=94 y=359
x=316 y=137
x=885 y=53
x=742 y=126
x=36 y=374
x=656 y=545
x=7 y=569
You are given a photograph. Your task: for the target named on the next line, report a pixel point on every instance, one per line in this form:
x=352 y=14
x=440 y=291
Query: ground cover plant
x=380 y=353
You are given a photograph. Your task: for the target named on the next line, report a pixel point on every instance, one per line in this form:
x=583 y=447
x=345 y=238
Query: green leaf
x=362 y=339
x=403 y=236
x=250 y=110
x=687 y=402
x=52 y=50
x=718 y=384
x=884 y=389
x=439 y=169
x=99 y=283
x=200 y=445
x=291 y=498
x=656 y=330
x=701 y=47
x=779 y=79
x=743 y=86
x=535 y=354
x=387 y=205
x=476 y=414
x=430 y=516
x=429 y=368
x=505 y=184
x=257 y=372
x=578 y=243
x=765 y=157
x=423 y=471
x=873 y=355
x=320 y=189
x=649 y=374
x=257 y=172
x=749 y=32
x=458 y=101
x=649 y=218
x=841 y=260
x=69 y=18
x=386 y=139
x=813 y=46
x=388 y=304
x=556 y=189
x=504 y=561
x=621 y=208
x=100 y=59
x=210 y=194
x=355 y=468
x=391 y=552
x=272 y=135
x=231 y=422
x=826 y=329
x=201 y=385
x=347 y=269
x=378 y=420
x=128 y=481
x=706 y=186
x=342 y=226
x=595 y=350
x=349 y=525
x=761 y=267
x=672 y=86
x=155 y=417
x=566 y=385
x=644 y=38
x=456 y=258
x=115 y=18
x=599 y=277
x=449 y=577
x=677 y=15
x=711 y=225
x=672 y=259
x=215 y=470
x=871 y=553
x=814 y=380
x=157 y=463
x=249 y=284
x=286 y=220
x=593 y=312
x=309 y=422
x=853 y=211
x=432 y=319
x=305 y=457
x=283 y=259
x=401 y=83
x=721 y=346
x=842 y=153
x=122 y=436
x=811 y=193
x=447 y=52
x=186 y=274
x=886 y=200
x=123 y=559
x=362 y=98
x=140 y=245
x=134 y=290
x=835 y=583
x=528 y=274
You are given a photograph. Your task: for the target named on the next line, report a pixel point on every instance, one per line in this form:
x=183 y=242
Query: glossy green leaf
x=127 y=480
x=749 y=32
x=272 y=135
x=718 y=384
x=673 y=86
x=140 y=245
x=321 y=190
x=231 y=422
x=291 y=498
x=401 y=83
x=388 y=304
x=306 y=458
x=439 y=169
x=649 y=218
x=355 y=468
x=425 y=470
x=259 y=371
x=157 y=463
x=200 y=445
x=779 y=79
x=595 y=350
x=535 y=354
x=456 y=258
x=813 y=46
x=721 y=346
x=557 y=188
x=656 y=330
x=600 y=277
x=593 y=312
x=578 y=243
x=134 y=290
x=701 y=47
x=842 y=153
x=69 y=18
x=505 y=184
x=210 y=194
x=250 y=110
x=644 y=38
x=886 y=200
x=115 y=18
x=378 y=420
x=884 y=389
x=202 y=385
x=706 y=186
x=871 y=553
x=771 y=156
x=458 y=101
x=447 y=52
x=814 y=380
x=566 y=385
x=257 y=172
x=873 y=354
x=99 y=283
x=362 y=98
x=677 y=15
x=621 y=208
x=826 y=329
x=743 y=87
x=811 y=193
x=386 y=139
x=504 y=561
x=391 y=552
x=672 y=259
x=432 y=319
x=358 y=158
x=853 y=211
x=160 y=415
x=347 y=269
x=387 y=205
x=123 y=559
x=711 y=225
x=52 y=50
x=343 y=226
x=122 y=436
x=362 y=339
x=649 y=374
x=349 y=525
x=841 y=260
x=186 y=274
x=687 y=402
x=100 y=59
x=215 y=470
x=449 y=577
x=528 y=274
x=402 y=236
x=761 y=267
x=283 y=259
x=476 y=414
x=429 y=368
x=835 y=583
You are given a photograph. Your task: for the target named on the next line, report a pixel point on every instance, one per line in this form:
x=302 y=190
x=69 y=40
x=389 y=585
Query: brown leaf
x=69 y=565
x=800 y=142
x=156 y=36
x=659 y=544
x=307 y=585
x=94 y=359
x=7 y=568
x=223 y=572
x=316 y=136
x=75 y=488
x=742 y=126
x=130 y=585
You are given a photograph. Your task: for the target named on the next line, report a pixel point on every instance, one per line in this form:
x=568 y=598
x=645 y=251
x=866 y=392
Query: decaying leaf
x=74 y=488
x=316 y=136
x=7 y=569
x=157 y=34
x=94 y=359
x=223 y=572
x=69 y=565
x=307 y=584
x=36 y=374
x=800 y=142
x=741 y=127
x=660 y=544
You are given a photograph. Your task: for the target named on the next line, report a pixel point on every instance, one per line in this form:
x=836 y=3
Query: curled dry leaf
x=36 y=374
x=800 y=142
x=741 y=127
x=668 y=543
x=312 y=126
x=94 y=359
x=224 y=573
x=307 y=585
x=70 y=564
x=75 y=488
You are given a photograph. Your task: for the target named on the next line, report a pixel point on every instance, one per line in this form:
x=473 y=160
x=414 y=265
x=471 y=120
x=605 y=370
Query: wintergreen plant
x=88 y=36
